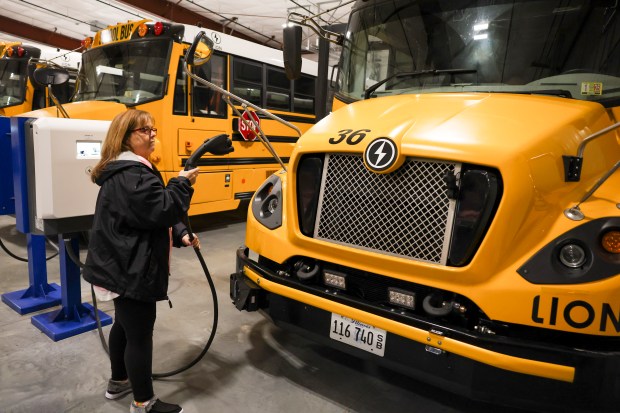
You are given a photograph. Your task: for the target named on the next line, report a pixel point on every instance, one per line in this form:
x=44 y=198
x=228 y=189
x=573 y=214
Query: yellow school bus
x=457 y=216
x=139 y=64
x=18 y=94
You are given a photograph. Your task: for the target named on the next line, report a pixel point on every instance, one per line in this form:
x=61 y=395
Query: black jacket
x=129 y=247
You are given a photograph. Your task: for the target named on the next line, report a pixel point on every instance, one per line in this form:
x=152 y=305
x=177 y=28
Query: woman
x=137 y=219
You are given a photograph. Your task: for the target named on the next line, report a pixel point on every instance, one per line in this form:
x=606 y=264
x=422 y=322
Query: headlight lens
x=572 y=256
x=267 y=203
x=272 y=205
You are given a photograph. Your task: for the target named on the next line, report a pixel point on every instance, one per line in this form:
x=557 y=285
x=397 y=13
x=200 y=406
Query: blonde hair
x=116 y=140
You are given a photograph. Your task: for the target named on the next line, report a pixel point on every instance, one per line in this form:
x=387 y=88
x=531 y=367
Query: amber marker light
x=9 y=52
x=142 y=30
x=87 y=42
x=611 y=242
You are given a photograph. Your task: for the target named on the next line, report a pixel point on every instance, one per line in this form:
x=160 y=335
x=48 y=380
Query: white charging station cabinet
x=63 y=153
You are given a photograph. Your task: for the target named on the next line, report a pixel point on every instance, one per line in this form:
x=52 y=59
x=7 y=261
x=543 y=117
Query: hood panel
x=476 y=128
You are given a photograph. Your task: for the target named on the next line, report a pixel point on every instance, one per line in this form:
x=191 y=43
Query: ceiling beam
x=37 y=34
x=178 y=14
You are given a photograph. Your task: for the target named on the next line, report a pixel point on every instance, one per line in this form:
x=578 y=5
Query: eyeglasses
x=146 y=130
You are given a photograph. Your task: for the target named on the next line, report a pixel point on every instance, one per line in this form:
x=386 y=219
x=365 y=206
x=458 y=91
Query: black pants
x=131 y=345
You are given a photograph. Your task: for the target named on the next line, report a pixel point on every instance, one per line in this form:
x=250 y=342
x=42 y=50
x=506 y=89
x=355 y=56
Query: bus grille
x=405 y=213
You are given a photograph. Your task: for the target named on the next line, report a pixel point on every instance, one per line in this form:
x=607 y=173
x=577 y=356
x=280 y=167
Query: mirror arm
x=56 y=102
x=260 y=135
x=241 y=100
x=575 y=212
x=308 y=21
x=582 y=145
x=245 y=103
x=227 y=96
x=573 y=164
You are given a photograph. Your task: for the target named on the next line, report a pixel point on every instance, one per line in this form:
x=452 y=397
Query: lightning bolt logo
x=380 y=154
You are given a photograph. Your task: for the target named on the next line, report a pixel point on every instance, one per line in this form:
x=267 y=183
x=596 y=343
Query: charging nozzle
x=217 y=145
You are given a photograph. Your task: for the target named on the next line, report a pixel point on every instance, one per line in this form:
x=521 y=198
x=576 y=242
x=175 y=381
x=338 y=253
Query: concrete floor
x=252 y=365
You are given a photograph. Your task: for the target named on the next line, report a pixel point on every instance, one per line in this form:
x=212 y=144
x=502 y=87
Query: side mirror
x=50 y=76
x=292 y=51
x=200 y=51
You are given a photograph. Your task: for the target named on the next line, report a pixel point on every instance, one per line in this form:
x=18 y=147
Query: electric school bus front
x=139 y=64
x=458 y=217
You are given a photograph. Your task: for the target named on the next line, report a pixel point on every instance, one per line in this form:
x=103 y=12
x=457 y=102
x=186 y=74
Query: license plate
x=357 y=334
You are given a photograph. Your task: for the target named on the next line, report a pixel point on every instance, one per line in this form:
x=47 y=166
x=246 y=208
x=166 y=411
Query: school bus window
x=248 y=81
x=179 y=106
x=12 y=82
x=205 y=101
x=278 y=90
x=304 y=95
x=377 y=63
x=129 y=72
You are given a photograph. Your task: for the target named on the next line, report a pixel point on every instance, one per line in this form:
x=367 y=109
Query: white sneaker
x=117 y=389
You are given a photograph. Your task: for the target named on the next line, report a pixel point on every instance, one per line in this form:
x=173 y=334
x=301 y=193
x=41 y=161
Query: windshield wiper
x=434 y=72
x=551 y=92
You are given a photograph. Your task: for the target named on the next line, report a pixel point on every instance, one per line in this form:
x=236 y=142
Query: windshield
x=130 y=72
x=12 y=82
x=564 y=48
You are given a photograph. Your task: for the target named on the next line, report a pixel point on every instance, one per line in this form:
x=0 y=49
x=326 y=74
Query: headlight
x=586 y=253
x=267 y=203
x=572 y=255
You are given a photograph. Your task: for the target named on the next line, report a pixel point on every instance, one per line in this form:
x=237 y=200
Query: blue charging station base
x=69 y=321
x=34 y=298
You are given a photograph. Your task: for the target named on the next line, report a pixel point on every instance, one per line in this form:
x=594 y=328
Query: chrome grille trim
x=407 y=213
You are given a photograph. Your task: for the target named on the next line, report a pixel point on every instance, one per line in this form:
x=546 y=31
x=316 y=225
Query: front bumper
x=498 y=369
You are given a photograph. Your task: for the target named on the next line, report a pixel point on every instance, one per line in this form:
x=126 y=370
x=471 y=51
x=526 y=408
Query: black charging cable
x=18 y=258
x=218 y=145
x=205 y=269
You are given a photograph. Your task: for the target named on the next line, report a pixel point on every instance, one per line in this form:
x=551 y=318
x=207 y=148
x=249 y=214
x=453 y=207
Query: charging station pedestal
x=39 y=295
x=74 y=317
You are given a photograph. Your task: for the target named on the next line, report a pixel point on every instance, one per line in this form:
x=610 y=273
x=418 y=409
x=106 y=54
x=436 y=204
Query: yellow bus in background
x=18 y=94
x=139 y=64
x=458 y=217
